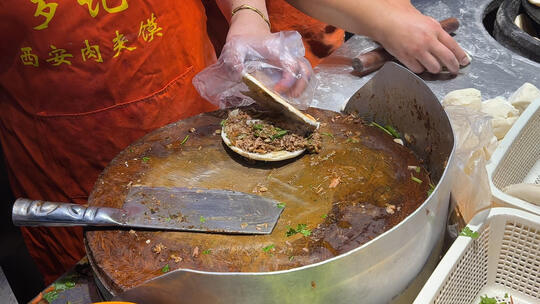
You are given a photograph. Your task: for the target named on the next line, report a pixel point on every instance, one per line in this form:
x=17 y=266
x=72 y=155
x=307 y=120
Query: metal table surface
x=6 y=294
x=76 y=286
x=494 y=70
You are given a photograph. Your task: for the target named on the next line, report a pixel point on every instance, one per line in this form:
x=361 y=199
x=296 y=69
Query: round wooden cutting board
x=356 y=188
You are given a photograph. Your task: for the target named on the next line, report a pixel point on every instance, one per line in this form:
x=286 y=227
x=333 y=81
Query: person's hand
x=278 y=56
x=280 y=53
x=250 y=48
x=419 y=42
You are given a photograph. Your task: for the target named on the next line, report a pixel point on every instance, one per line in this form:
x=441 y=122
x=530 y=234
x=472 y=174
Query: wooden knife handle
x=450 y=25
x=374 y=60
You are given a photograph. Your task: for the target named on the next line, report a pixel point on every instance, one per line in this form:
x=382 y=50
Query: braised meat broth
x=358 y=186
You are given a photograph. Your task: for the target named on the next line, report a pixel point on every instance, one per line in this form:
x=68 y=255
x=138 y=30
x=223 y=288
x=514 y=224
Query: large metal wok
x=375 y=272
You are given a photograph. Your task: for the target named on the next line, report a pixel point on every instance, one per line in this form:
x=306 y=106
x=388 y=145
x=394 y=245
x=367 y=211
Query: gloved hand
x=279 y=57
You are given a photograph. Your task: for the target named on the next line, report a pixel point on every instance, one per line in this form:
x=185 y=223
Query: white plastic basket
x=504 y=259
x=517 y=159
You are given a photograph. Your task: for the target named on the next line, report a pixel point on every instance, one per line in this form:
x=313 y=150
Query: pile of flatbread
x=504 y=113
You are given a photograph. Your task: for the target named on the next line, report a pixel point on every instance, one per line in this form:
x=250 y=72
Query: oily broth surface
x=369 y=169
x=342 y=195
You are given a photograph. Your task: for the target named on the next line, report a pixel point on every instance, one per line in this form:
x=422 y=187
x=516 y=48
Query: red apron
x=81 y=80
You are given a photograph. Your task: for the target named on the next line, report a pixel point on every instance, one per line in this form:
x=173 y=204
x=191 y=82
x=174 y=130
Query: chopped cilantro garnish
x=506 y=295
x=291 y=232
x=304 y=230
x=59 y=287
x=145 y=158
x=431 y=188
x=324 y=216
x=468 y=232
x=168 y=219
x=268 y=248
x=353 y=140
x=380 y=127
x=66 y=282
x=63 y=285
x=222 y=123
x=280 y=205
x=207 y=251
x=202 y=219
x=328 y=134
x=415 y=179
x=300 y=228
x=388 y=129
x=52 y=295
x=487 y=300
x=393 y=131
x=69 y=284
x=185 y=139
x=279 y=134
x=165 y=268
x=257 y=126
x=291 y=258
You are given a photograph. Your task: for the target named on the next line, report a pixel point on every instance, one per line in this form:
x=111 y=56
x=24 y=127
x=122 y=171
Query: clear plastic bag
x=276 y=60
x=475 y=144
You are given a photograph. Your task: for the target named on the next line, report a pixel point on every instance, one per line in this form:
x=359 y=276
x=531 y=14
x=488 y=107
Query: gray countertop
x=6 y=294
x=494 y=70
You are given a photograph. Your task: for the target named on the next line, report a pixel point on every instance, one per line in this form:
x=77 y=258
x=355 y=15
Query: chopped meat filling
x=260 y=136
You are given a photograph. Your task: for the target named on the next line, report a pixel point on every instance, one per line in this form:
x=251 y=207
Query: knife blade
x=162 y=208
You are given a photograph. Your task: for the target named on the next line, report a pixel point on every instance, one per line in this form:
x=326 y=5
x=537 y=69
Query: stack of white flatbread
x=504 y=113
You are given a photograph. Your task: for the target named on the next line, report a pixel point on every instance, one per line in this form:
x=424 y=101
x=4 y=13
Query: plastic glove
x=278 y=57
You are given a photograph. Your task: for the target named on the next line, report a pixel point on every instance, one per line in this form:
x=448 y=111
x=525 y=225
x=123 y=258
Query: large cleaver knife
x=183 y=209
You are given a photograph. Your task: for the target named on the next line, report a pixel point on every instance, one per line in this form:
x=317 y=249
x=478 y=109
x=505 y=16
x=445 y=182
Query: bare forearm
x=246 y=21
x=364 y=17
x=416 y=40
